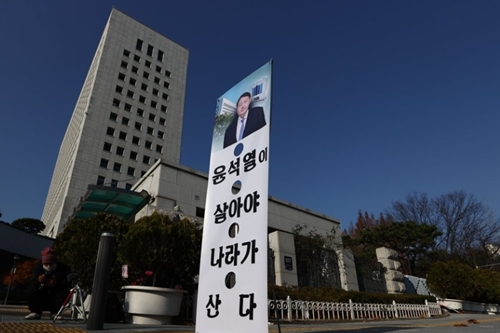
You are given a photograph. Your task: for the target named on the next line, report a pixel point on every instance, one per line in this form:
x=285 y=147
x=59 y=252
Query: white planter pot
x=151 y=305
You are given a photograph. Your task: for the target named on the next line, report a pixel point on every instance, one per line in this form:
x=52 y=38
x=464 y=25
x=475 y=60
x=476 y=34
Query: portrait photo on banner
x=243 y=110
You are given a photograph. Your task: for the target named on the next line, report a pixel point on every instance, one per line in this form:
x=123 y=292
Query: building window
x=148 y=63
x=161 y=134
x=153 y=104
x=150 y=130
x=104 y=163
x=160 y=55
x=125 y=121
x=135 y=70
x=100 y=180
x=143 y=173
x=152 y=117
x=148 y=145
x=162 y=121
x=145 y=159
x=130 y=171
x=128 y=186
x=167 y=73
x=119 y=89
x=114 y=183
x=121 y=76
x=116 y=102
x=140 y=112
x=119 y=151
x=132 y=81
x=159 y=149
x=127 y=107
x=110 y=131
x=150 y=50
x=200 y=212
x=157 y=80
x=144 y=87
x=158 y=69
x=163 y=108
x=135 y=140
x=138 y=126
x=137 y=58
x=142 y=99
x=113 y=116
x=138 y=45
x=145 y=75
x=130 y=94
x=164 y=96
x=166 y=84
x=107 y=146
x=123 y=136
x=133 y=155
x=155 y=92
x=126 y=53
x=124 y=64
x=117 y=167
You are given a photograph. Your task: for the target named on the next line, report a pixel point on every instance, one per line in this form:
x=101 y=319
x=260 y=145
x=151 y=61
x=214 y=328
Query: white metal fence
x=296 y=310
x=290 y=310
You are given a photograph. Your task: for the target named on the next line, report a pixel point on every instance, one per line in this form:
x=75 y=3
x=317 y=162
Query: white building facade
x=182 y=191
x=129 y=114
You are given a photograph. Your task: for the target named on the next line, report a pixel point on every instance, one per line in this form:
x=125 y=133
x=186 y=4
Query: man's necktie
x=242 y=129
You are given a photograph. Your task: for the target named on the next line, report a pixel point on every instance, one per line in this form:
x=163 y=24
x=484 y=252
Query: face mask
x=49 y=268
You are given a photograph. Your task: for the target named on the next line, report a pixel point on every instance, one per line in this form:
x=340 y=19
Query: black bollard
x=101 y=282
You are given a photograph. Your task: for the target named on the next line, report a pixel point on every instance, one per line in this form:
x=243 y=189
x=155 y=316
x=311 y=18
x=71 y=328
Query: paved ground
x=12 y=321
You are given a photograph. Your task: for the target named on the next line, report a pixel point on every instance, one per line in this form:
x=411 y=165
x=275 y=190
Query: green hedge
x=459 y=281
x=341 y=296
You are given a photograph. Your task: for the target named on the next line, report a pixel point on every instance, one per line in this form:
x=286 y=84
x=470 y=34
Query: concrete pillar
x=285 y=263
x=347 y=267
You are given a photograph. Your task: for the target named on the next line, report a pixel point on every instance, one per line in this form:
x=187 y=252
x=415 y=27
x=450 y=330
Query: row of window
x=135 y=140
x=125 y=121
x=142 y=99
x=117 y=167
x=114 y=182
x=150 y=50
x=130 y=93
x=133 y=81
x=145 y=74
x=148 y=63
x=133 y=155
x=137 y=125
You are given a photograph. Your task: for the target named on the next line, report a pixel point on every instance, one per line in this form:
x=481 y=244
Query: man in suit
x=247 y=121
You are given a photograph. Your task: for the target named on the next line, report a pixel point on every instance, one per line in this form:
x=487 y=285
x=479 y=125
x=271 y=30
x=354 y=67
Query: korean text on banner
x=232 y=293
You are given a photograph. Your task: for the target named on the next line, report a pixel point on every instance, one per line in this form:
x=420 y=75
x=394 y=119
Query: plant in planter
x=167 y=251
x=170 y=250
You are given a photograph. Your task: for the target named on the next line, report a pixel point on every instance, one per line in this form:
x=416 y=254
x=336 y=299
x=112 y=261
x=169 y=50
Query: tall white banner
x=232 y=293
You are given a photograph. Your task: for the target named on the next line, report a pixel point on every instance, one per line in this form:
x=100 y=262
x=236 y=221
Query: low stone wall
x=458 y=305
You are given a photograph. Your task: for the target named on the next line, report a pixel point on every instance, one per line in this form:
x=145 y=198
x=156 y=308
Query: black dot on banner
x=230 y=280
x=233 y=230
x=236 y=187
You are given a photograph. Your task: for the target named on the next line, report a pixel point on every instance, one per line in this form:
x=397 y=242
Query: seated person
x=48 y=286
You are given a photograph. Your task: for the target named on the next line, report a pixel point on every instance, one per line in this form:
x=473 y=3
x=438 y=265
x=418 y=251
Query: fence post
x=289 y=308
x=395 y=309
x=428 y=309
x=351 y=306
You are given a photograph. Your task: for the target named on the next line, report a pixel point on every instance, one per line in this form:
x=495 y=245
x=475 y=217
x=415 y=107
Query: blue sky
x=372 y=99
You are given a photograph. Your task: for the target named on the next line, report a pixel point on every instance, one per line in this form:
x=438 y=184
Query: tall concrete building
x=129 y=114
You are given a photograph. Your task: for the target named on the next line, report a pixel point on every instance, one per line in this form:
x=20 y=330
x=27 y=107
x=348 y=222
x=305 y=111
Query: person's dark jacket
x=60 y=273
